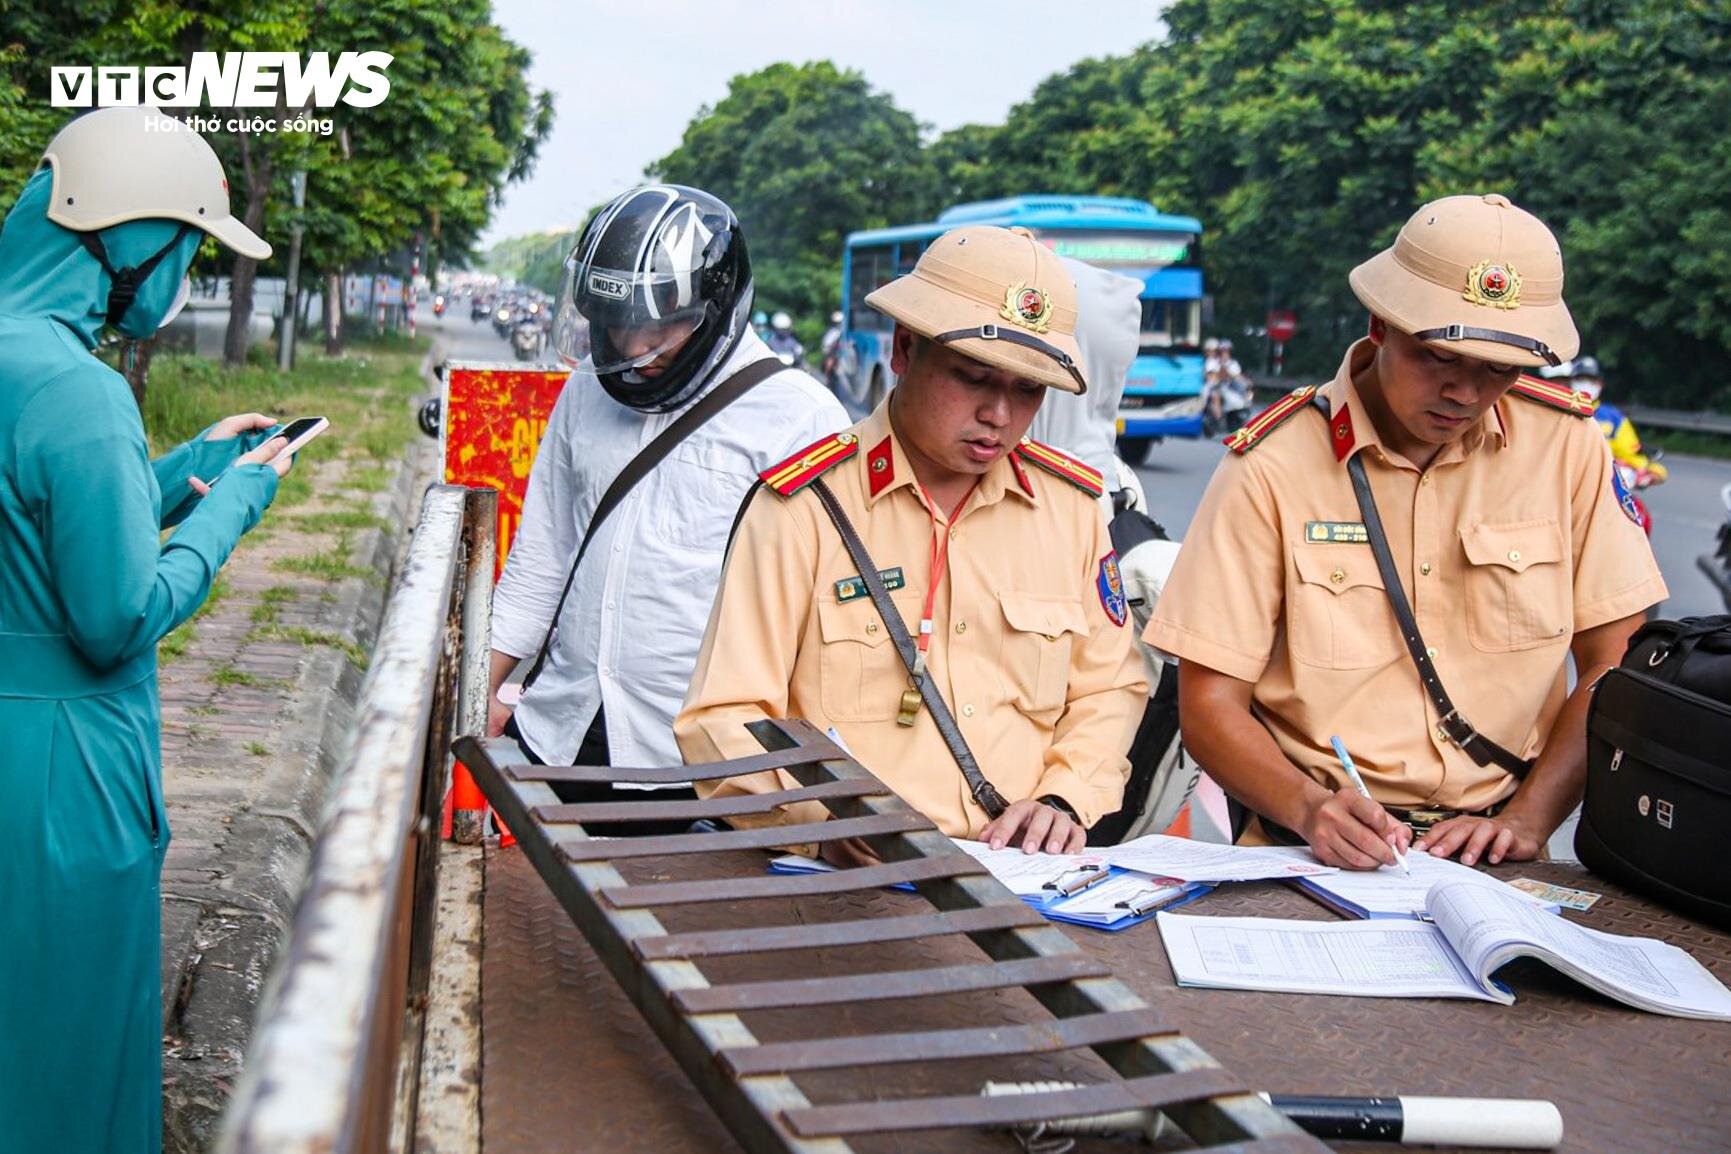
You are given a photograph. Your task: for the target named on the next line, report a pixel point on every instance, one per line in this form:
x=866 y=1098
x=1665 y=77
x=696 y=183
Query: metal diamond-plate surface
x=569 y=1065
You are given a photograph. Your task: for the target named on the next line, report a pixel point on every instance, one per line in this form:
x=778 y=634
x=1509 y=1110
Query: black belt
x=1420 y=821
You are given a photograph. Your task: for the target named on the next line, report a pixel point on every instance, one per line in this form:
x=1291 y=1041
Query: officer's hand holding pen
x=1351 y=831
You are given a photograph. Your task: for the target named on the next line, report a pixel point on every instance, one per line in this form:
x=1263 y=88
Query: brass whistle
x=910 y=708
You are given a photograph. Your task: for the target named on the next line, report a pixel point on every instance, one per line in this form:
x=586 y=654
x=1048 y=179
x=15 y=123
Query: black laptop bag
x=1658 y=805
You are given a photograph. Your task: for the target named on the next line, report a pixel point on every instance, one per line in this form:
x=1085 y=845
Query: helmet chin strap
x=127 y=281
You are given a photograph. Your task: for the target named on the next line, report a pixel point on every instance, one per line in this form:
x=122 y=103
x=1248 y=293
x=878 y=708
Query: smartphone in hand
x=299 y=432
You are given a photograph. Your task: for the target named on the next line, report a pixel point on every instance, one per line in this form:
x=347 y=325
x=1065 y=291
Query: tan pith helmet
x=995 y=295
x=1478 y=276
x=137 y=163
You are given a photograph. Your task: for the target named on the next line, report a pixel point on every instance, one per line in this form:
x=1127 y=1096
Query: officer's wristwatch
x=1061 y=806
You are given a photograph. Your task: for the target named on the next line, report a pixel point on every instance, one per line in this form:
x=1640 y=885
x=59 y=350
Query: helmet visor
x=618 y=349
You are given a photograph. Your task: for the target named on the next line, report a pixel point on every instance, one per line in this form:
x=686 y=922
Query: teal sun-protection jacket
x=87 y=588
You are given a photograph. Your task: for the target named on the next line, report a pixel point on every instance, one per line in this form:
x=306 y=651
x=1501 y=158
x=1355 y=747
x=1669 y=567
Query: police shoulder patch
x=1626 y=501
x=1062 y=465
x=1554 y=396
x=810 y=463
x=1110 y=583
x=1269 y=419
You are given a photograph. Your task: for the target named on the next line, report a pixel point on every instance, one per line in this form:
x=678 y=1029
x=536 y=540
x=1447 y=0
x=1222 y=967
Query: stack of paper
x=1083 y=888
x=1390 y=893
x=1477 y=929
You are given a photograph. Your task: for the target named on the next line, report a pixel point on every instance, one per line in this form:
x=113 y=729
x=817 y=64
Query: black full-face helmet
x=661 y=270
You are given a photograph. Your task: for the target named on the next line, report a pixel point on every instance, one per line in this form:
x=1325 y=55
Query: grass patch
x=327 y=564
x=358 y=657
x=179 y=639
x=229 y=675
x=294 y=489
x=364 y=393
x=370 y=479
x=342 y=519
x=257 y=749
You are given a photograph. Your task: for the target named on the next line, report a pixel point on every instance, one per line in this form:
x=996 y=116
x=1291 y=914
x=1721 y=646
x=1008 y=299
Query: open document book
x=1476 y=930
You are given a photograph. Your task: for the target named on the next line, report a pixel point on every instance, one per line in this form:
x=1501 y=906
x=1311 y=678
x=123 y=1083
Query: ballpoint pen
x=1358 y=784
x=1086 y=875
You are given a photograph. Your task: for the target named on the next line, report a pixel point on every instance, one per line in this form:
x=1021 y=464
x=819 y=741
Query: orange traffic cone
x=468 y=806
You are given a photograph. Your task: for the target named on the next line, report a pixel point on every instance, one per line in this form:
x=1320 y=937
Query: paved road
x=461 y=338
x=1686 y=513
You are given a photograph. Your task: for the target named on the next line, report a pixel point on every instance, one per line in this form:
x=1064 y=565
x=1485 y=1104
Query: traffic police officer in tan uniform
x=1509 y=533
x=991 y=546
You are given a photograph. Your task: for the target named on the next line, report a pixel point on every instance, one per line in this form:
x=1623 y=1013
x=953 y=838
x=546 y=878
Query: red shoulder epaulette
x=1084 y=477
x=1554 y=396
x=1269 y=419
x=810 y=463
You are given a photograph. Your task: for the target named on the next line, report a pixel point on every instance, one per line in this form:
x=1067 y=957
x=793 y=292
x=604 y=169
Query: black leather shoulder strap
x=984 y=793
x=1455 y=727
x=638 y=467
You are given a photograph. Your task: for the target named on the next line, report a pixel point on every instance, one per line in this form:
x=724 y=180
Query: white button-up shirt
x=630 y=630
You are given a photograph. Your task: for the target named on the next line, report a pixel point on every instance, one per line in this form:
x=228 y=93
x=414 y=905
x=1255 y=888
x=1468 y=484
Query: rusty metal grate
x=750 y=1084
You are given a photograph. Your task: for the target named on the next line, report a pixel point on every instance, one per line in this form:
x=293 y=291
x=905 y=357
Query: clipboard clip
x=1080 y=879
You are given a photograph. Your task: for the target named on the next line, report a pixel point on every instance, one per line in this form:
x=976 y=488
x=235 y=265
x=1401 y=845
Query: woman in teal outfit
x=103 y=233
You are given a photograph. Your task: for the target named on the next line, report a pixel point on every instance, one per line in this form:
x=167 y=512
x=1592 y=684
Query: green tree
x=804 y=154
x=1303 y=133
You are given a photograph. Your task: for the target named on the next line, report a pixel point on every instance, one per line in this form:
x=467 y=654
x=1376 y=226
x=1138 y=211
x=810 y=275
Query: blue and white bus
x=1162 y=397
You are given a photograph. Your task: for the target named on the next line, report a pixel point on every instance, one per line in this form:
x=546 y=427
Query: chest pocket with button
x=696 y=493
x=1338 y=616
x=1035 y=657
x=859 y=671
x=1519 y=593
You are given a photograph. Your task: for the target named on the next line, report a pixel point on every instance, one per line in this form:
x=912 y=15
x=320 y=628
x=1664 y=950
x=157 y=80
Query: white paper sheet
x=1390 y=959
x=1027 y=874
x=1197 y=861
x=1389 y=893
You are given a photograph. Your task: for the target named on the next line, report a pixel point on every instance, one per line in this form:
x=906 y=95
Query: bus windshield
x=1118 y=250
x=1170 y=327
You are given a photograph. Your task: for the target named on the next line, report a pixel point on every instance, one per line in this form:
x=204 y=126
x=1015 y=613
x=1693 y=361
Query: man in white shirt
x=662 y=279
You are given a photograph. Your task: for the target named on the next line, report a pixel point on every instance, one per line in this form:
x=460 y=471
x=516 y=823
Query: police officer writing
x=659 y=287
x=990 y=550
x=1442 y=662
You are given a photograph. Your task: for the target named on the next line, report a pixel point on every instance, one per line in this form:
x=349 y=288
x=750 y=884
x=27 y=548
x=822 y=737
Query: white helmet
x=835 y=317
x=136 y=163
x=781 y=322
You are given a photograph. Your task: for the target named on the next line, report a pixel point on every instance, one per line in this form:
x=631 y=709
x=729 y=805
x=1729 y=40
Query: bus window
x=908 y=255
x=1170 y=326
x=871 y=268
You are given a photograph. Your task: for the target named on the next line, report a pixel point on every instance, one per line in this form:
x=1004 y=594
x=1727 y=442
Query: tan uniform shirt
x=1509 y=544
x=1040 y=676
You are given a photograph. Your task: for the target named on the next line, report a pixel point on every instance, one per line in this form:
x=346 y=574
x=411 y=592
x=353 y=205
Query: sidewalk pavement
x=256 y=706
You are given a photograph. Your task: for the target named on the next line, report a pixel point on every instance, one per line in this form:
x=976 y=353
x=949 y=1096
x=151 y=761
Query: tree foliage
x=804 y=154
x=433 y=159
x=1303 y=133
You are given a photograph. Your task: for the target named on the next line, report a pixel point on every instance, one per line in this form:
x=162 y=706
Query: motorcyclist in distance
x=781 y=340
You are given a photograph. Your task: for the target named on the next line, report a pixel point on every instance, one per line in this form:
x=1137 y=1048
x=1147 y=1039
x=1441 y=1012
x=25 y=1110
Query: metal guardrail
x=1716 y=424
x=1271 y=388
x=325 y=1063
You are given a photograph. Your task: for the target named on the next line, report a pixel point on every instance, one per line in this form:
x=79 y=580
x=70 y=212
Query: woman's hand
x=229 y=428
x=265 y=454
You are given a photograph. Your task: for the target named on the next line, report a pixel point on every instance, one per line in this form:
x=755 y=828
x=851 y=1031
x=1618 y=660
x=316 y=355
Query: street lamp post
x=286 y=344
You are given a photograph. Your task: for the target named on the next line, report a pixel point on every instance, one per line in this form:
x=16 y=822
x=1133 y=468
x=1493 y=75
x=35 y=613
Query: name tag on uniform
x=1336 y=532
x=853 y=588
